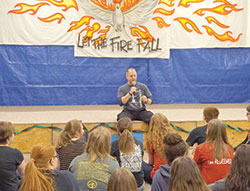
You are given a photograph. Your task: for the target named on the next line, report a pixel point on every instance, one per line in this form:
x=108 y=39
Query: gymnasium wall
x=51 y=75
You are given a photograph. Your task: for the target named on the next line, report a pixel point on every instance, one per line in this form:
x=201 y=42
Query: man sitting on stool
x=133 y=96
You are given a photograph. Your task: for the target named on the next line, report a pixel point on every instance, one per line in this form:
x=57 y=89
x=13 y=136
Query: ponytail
x=126 y=142
x=63 y=139
x=36 y=179
x=68 y=133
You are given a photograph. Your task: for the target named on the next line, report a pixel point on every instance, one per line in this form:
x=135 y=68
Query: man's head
x=131 y=75
x=248 y=113
x=210 y=113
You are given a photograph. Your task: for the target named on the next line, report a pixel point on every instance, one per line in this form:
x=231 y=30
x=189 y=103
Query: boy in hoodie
x=174 y=146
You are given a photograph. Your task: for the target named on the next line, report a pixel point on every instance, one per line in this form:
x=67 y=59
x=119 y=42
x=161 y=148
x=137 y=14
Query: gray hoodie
x=161 y=178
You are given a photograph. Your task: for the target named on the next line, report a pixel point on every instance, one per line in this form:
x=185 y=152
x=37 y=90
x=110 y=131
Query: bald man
x=133 y=96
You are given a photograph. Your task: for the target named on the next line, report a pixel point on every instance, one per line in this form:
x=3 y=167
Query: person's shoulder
x=218 y=186
x=62 y=173
x=141 y=84
x=199 y=129
x=123 y=85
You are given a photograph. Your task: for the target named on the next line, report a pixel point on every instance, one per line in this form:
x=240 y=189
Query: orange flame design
x=77 y=24
x=160 y=22
x=135 y=31
x=64 y=3
x=90 y=31
x=186 y=3
x=185 y=21
x=211 y=19
x=224 y=37
x=102 y=36
x=223 y=9
x=164 y=11
x=145 y=35
x=57 y=16
x=104 y=5
x=169 y=3
x=23 y=8
x=126 y=5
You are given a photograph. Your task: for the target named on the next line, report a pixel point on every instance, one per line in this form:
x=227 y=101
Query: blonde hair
x=99 y=145
x=126 y=140
x=217 y=134
x=36 y=177
x=185 y=175
x=159 y=126
x=122 y=179
x=68 y=133
x=6 y=130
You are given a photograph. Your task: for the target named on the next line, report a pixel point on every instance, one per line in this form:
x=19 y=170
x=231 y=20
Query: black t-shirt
x=197 y=135
x=10 y=159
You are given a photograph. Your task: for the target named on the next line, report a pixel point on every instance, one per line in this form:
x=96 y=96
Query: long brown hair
x=185 y=176
x=99 y=145
x=217 y=134
x=36 y=177
x=174 y=147
x=159 y=126
x=69 y=132
x=6 y=130
x=122 y=179
x=126 y=140
x=239 y=175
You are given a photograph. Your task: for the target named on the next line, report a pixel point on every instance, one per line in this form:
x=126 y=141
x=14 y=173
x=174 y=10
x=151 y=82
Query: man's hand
x=144 y=99
x=132 y=89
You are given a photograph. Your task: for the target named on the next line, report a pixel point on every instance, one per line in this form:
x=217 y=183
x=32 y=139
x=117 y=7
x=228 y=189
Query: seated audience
x=174 y=146
x=238 y=178
x=247 y=139
x=11 y=160
x=129 y=151
x=185 y=176
x=70 y=144
x=198 y=135
x=94 y=168
x=159 y=126
x=122 y=180
x=214 y=157
x=41 y=174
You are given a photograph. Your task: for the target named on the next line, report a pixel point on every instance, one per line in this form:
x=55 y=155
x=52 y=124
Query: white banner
x=126 y=28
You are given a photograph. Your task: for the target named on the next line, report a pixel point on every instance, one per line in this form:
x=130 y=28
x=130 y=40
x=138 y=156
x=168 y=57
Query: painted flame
x=90 y=31
x=23 y=8
x=126 y=5
x=185 y=21
x=223 y=9
x=104 y=4
x=85 y=20
x=168 y=3
x=211 y=19
x=103 y=35
x=56 y=16
x=186 y=3
x=64 y=3
x=224 y=37
x=160 y=22
x=143 y=34
x=164 y=11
